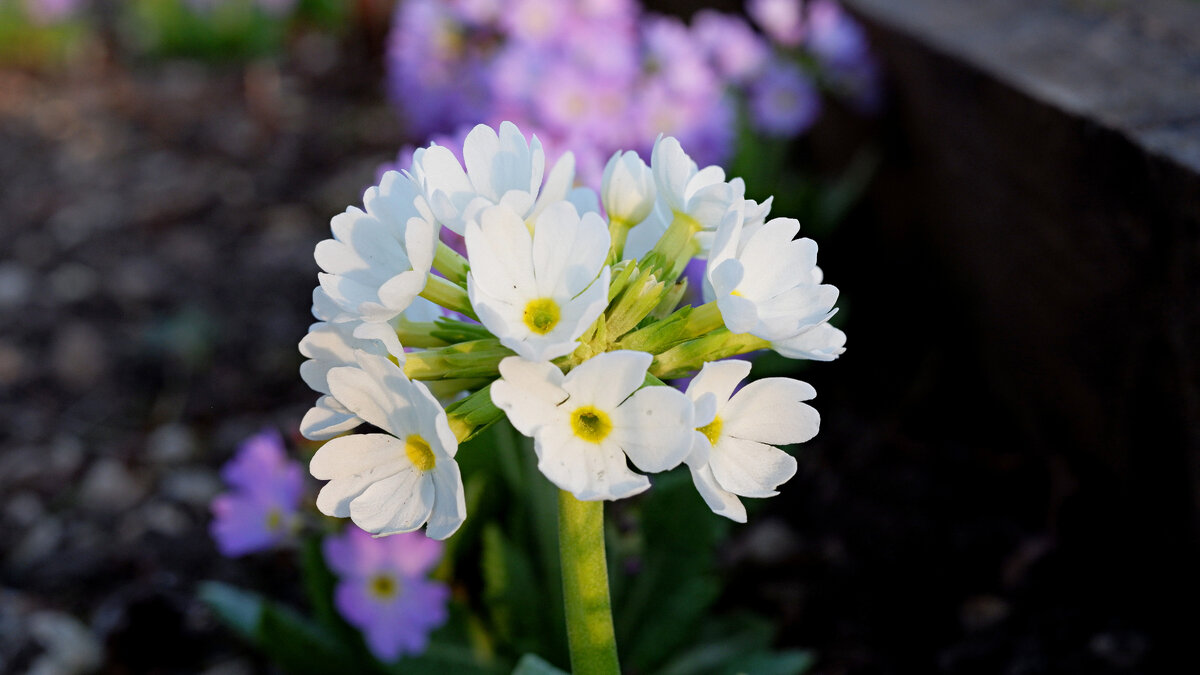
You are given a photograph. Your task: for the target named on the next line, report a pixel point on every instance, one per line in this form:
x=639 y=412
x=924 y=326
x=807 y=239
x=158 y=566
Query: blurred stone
x=165 y=519
x=71 y=648
x=231 y=667
x=170 y=444
x=137 y=279
x=980 y=612
x=110 y=487
x=77 y=356
x=16 y=282
x=72 y=282
x=39 y=542
x=66 y=454
x=1122 y=650
x=12 y=364
x=192 y=486
x=770 y=542
x=23 y=509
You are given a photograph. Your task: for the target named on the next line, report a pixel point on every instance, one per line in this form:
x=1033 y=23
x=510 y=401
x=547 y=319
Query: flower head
x=586 y=423
x=379 y=258
x=734 y=449
x=400 y=480
x=783 y=100
x=538 y=293
x=766 y=282
x=260 y=511
x=384 y=589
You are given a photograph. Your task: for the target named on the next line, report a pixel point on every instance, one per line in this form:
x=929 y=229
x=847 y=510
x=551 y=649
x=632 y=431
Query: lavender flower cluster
x=599 y=75
x=383 y=588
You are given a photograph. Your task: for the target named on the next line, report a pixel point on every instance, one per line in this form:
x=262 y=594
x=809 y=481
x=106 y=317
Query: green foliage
x=508 y=607
x=229 y=30
x=27 y=43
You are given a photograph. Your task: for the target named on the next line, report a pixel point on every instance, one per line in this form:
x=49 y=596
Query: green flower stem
x=618 y=230
x=447 y=294
x=452 y=265
x=590 y=632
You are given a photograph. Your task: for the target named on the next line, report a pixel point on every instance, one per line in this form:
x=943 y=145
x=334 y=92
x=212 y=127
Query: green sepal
x=473 y=414
x=453 y=331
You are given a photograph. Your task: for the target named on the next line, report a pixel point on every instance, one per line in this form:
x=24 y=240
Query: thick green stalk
x=590 y=632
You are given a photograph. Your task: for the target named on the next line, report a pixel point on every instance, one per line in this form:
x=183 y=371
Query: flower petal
x=655 y=428
x=528 y=393
x=749 y=468
x=771 y=411
x=607 y=379
x=399 y=503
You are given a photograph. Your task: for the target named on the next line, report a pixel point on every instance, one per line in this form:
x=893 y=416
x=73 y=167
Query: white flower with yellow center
x=379 y=258
x=538 y=292
x=765 y=281
x=586 y=423
x=627 y=188
x=501 y=168
x=734 y=453
x=398 y=481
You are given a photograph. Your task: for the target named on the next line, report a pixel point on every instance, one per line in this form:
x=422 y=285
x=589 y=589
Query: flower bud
x=628 y=190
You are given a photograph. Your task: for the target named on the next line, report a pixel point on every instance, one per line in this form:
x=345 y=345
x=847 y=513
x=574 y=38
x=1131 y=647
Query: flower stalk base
x=590 y=634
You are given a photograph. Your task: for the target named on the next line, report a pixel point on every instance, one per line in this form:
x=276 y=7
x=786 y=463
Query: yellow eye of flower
x=542 y=315
x=383 y=586
x=274 y=519
x=419 y=453
x=712 y=430
x=590 y=424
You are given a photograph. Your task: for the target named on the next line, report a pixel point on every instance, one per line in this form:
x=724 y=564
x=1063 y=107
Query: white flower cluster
x=548 y=322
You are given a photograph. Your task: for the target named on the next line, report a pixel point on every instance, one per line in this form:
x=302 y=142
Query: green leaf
x=294 y=642
x=532 y=664
x=511 y=591
x=441 y=658
x=787 y=662
x=240 y=610
x=720 y=644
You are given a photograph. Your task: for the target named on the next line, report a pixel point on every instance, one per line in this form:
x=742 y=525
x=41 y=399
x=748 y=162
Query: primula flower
x=734 y=449
x=586 y=423
x=501 y=168
x=398 y=481
x=378 y=259
x=538 y=293
x=734 y=48
x=384 y=589
x=701 y=197
x=628 y=191
x=766 y=282
x=261 y=510
x=784 y=101
x=780 y=19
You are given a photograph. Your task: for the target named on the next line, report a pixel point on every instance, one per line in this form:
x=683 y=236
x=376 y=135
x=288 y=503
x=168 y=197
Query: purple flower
x=51 y=11
x=733 y=47
x=261 y=510
x=784 y=101
x=779 y=19
x=840 y=46
x=383 y=589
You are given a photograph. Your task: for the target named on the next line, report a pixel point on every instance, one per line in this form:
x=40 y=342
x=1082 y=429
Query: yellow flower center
x=274 y=519
x=590 y=424
x=383 y=586
x=712 y=430
x=542 y=315
x=419 y=453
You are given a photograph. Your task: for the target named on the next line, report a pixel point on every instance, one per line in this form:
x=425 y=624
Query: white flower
x=390 y=483
x=586 y=423
x=767 y=283
x=501 y=169
x=378 y=259
x=627 y=189
x=685 y=190
x=819 y=343
x=733 y=451
x=328 y=346
x=538 y=293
